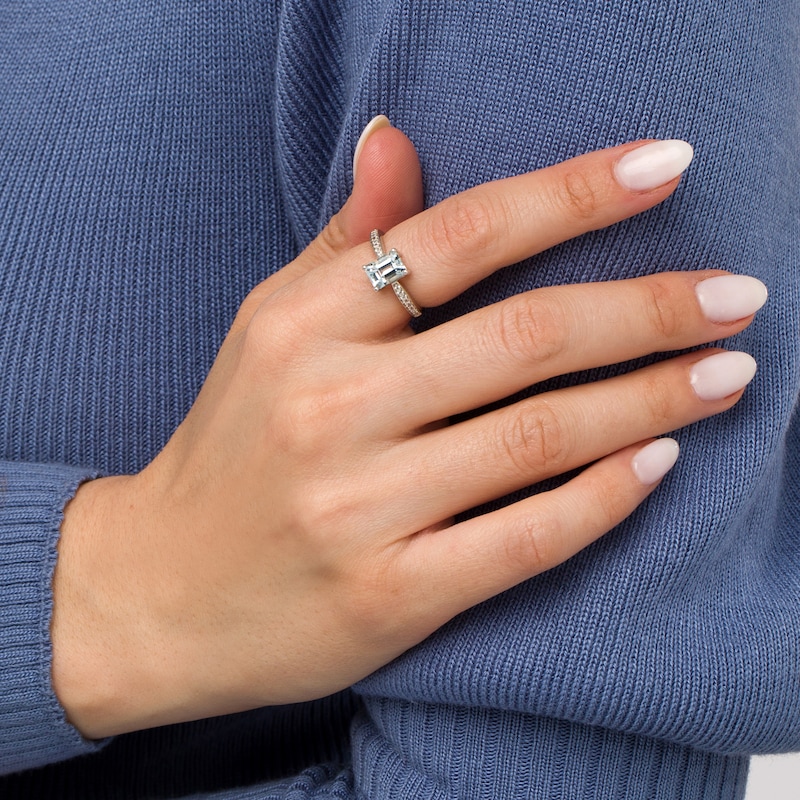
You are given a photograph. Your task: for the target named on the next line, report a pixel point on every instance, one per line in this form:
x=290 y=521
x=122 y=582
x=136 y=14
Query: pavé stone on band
x=387 y=271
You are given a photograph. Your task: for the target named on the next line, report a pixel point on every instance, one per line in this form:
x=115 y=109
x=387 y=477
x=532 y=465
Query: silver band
x=405 y=298
x=377 y=244
x=387 y=271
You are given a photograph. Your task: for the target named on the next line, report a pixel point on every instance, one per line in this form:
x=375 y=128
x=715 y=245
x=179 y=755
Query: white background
x=774 y=778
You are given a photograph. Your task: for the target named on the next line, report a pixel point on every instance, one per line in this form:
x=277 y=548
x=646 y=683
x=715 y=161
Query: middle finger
x=496 y=351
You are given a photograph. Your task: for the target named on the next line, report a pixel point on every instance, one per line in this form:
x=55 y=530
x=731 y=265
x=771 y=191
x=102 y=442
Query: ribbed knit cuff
x=33 y=728
x=432 y=752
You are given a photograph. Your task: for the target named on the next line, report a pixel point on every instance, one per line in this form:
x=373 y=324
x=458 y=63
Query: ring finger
x=502 y=451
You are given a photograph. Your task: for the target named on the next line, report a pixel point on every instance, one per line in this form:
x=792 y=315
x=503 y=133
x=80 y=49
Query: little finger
x=474 y=560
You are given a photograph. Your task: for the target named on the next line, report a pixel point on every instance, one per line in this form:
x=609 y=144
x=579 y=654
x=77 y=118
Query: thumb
x=387 y=183
x=387 y=189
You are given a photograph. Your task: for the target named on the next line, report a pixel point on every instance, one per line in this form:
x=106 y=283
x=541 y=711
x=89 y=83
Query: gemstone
x=386 y=270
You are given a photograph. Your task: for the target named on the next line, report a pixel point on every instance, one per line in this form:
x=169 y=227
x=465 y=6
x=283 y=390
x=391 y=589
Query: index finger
x=470 y=235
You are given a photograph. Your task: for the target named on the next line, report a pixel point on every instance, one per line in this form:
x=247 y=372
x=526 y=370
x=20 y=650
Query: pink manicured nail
x=652 y=165
x=375 y=124
x=722 y=374
x=655 y=460
x=727 y=298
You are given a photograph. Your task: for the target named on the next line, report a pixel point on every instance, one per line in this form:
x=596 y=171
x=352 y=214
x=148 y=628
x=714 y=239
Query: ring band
x=387 y=271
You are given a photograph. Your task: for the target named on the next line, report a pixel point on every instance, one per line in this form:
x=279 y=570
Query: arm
x=34 y=724
x=304 y=185
x=610 y=477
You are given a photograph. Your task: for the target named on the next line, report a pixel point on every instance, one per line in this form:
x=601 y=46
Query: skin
x=251 y=564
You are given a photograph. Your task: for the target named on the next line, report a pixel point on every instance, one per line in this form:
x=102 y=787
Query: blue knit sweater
x=160 y=157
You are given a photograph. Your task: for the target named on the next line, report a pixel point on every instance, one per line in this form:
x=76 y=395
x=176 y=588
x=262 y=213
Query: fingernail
x=653 y=165
x=375 y=124
x=727 y=298
x=655 y=460
x=722 y=374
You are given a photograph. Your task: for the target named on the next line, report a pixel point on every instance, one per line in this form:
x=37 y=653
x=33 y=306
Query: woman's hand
x=295 y=533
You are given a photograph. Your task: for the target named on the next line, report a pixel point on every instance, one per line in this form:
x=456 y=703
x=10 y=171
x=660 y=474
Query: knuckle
x=465 y=226
x=531 y=543
x=657 y=401
x=306 y=423
x=577 y=195
x=535 y=442
x=282 y=333
x=333 y=239
x=661 y=305
x=272 y=328
x=249 y=307
x=315 y=525
x=528 y=330
x=258 y=337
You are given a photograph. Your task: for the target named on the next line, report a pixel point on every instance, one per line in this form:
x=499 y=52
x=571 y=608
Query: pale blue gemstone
x=386 y=270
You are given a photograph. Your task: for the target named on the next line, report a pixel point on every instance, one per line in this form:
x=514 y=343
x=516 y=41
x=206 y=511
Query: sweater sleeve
x=33 y=729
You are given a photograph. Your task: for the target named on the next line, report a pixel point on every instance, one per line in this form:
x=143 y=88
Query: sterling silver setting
x=387 y=270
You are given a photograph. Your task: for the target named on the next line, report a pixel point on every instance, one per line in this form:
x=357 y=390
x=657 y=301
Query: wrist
x=105 y=622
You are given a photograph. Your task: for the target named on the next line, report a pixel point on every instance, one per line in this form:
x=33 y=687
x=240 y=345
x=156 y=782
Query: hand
x=295 y=533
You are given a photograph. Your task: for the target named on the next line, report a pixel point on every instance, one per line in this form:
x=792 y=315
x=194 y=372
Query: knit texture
x=158 y=159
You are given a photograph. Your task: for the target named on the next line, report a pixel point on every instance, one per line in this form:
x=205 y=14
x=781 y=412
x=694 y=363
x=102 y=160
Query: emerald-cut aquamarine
x=386 y=270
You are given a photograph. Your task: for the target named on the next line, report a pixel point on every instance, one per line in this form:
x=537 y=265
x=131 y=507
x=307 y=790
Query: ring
x=387 y=271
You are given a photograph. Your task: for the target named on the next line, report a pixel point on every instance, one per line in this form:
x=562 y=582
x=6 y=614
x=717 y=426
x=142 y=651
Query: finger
x=537 y=438
x=452 y=469
x=388 y=185
x=481 y=557
x=550 y=434
x=387 y=189
x=499 y=350
x=470 y=235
